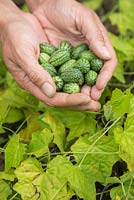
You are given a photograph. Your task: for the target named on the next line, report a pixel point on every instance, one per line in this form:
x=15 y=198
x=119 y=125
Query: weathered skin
x=53 y=21
x=69 y=20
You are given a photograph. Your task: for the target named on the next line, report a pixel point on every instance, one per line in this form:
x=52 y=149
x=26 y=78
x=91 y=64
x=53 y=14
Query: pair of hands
x=53 y=21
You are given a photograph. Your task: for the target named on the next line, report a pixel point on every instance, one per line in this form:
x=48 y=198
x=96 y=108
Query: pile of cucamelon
x=70 y=67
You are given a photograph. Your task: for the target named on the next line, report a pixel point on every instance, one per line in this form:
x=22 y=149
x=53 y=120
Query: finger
x=67 y=100
x=110 y=65
x=86 y=90
x=38 y=75
x=95 y=93
x=59 y=99
x=93 y=34
x=92 y=105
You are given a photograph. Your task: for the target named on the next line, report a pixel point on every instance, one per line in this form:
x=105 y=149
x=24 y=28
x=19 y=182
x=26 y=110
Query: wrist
x=8 y=13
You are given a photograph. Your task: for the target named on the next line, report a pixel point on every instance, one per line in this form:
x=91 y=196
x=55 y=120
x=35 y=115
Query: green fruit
x=90 y=77
x=59 y=57
x=96 y=64
x=83 y=65
x=78 y=49
x=47 y=48
x=49 y=68
x=43 y=58
x=88 y=55
x=67 y=65
x=59 y=83
x=71 y=88
x=65 y=45
x=72 y=76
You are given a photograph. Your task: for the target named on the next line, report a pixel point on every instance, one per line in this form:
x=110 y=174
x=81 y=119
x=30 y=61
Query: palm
x=60 y=24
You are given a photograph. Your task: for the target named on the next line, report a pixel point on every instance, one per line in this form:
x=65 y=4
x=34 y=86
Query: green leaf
x=57 y=128
x=5 y=190
x=13 y=116
x=119 y=72
x=77 y=122
x=124 y=18
x=9 y=114
x=125 y=138
x=17 y=96
x=118 y=105
x=125 y=190
x=40 y=141
x=99 y=159
x=93 y=4
x=132 y=104
x=14 y=152
x=123 y=45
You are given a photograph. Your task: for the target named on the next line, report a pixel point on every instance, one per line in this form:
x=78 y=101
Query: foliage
x=54 y=153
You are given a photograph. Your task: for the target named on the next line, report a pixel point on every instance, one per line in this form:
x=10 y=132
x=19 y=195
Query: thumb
x=39 y=76
x=94 y=35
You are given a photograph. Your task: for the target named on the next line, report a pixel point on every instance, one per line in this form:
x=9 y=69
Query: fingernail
x=48 y=89
x=106 y=52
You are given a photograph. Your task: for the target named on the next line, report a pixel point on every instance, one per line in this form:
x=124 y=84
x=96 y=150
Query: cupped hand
x=20 y=43
x=70 y=20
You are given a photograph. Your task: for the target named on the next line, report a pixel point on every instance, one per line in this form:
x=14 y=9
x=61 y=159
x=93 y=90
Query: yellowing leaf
x=28 y=170
x=63 y=169
x=32 y=125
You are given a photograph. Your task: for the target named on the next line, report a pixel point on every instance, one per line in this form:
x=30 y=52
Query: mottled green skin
x=78 y=49
x=49 y=68
x=59 y=83
x=90 y=77
x=96 y=64
x=83 y=65
x=59 y=57
x=67 y=65
x=73 y=76
x=65 y=45
x=71 y=88
x=88 y=55
x=47 y=48
x=43 y=58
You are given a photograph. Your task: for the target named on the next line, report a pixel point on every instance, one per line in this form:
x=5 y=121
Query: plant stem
x=90 y=148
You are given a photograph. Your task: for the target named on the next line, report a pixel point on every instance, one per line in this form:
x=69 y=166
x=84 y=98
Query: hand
x=70 y=20
x=20 y=42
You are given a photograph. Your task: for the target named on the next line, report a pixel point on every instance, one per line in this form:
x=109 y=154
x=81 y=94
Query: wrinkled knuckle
x=34 y=77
